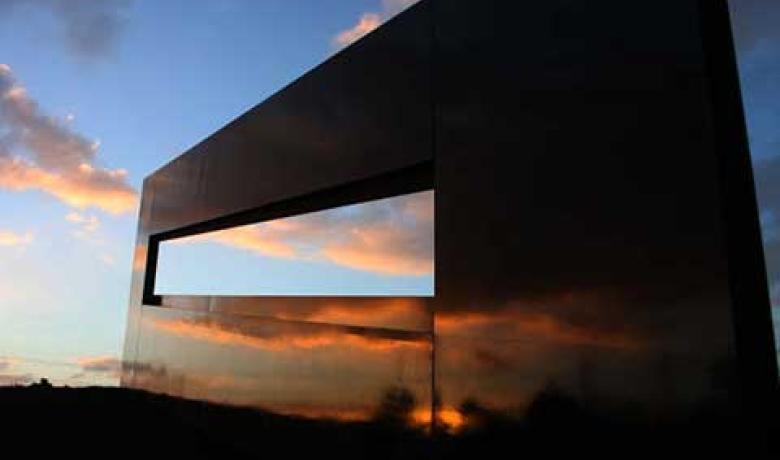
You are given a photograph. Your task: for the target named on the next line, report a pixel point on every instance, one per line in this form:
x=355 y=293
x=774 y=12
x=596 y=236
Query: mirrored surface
x=596 y=230
x=288 y=367
x=408 y=313
x=597 y=253
x=767 y=172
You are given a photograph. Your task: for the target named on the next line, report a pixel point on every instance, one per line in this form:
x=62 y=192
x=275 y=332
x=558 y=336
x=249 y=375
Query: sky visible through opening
x=377 y=248
x=97 y=95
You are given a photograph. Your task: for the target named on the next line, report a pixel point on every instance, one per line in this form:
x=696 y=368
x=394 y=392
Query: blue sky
x=148 y=79
x=151 y=80
x=376 y=248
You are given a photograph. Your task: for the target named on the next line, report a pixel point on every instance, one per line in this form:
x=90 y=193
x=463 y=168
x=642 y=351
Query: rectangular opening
x=381 y=247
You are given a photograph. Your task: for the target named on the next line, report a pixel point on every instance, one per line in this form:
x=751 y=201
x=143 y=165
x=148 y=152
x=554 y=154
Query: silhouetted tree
x=475 y=415
x=43 y=383
x=396 y=407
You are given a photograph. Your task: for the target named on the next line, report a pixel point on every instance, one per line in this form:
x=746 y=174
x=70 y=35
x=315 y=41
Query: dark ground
x=41 y=421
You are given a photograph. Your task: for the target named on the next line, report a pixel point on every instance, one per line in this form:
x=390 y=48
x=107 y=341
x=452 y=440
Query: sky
x=376 y=248
x=98 y=94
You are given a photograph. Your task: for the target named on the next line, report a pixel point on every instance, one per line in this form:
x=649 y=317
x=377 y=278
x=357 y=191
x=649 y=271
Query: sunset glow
x=386 y=242
x=96 y=96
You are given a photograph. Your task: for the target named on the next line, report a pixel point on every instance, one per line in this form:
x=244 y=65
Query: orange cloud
x=108 y=364
x=217 y=334
x=390 y=311
x=81 y=188
x=253 y=238
x=377 y=250
x=533 y=326
x=370 y=21
x=7 y=362
x=41 y=153
x=367 y=23
x=392 y=236
x=14 y=239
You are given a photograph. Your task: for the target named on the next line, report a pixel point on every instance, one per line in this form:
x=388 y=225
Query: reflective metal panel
x=408 y=313
x=598 y=262
x=767 y=172
x=587 y=229
x=364 y=112
x=289 y=367
x=330 y=139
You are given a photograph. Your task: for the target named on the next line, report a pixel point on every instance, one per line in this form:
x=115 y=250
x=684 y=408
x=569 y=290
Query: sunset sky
x=97 y=95
x=380 y=247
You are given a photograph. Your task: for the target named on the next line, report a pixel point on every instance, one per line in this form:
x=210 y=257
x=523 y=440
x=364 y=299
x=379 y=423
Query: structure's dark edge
x=744 y=247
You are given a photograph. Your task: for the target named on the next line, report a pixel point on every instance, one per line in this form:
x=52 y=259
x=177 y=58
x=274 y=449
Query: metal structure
x=596 y=225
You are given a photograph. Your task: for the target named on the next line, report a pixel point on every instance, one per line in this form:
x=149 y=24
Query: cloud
x=284 y=339
x=16 y=379
x=535 y=327
x=385 y=249
x=100 y=364
x=261 y=239
x=392 y=236
x=7 y=363
x=12 y=239
x=88 y=224
x=81 y=187
x=89 y=29
x=37 y=152
x=370 y=21
x=385 y=311
x=87 y=229
x=367 y=23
